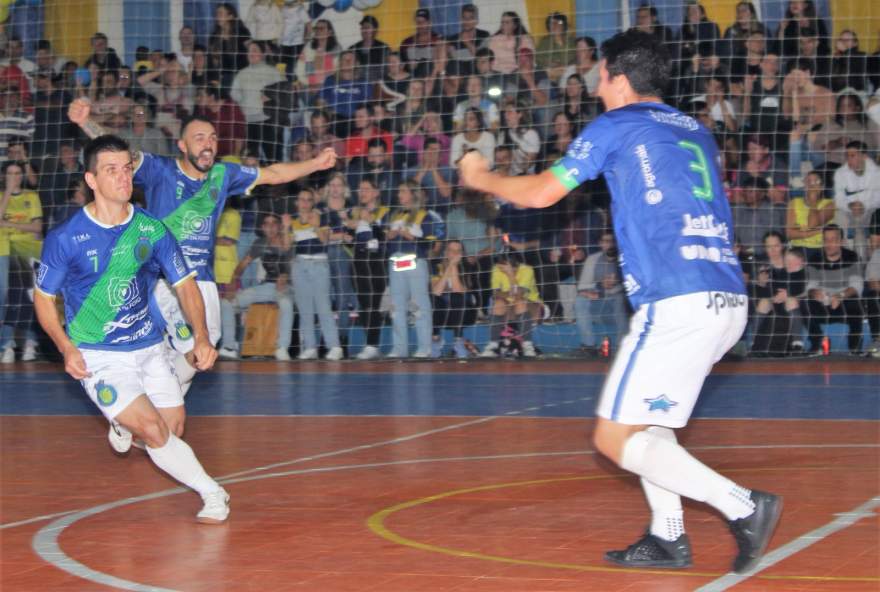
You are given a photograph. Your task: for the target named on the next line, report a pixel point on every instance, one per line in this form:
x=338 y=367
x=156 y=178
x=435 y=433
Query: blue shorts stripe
x=621 y=388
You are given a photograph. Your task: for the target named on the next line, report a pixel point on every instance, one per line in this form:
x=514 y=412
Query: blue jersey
x=107 y=274
x=189 y=207
x=671 y=217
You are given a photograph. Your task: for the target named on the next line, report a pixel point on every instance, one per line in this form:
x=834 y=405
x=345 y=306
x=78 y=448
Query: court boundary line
x=231 y=478
x=46 y=545
x=797 y=545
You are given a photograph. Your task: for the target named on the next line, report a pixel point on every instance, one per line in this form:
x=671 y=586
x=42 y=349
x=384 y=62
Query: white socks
x=178 y=460
x=667 y=517
x=669 y=466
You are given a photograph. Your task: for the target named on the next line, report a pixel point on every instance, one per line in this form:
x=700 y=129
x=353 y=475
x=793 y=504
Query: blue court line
x=838 y=396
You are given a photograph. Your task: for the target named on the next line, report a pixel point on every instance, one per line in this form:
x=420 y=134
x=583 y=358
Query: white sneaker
x=529 y=350
x=216 y=508
x=490 y=351
x=119 y=437
x=8 y=356
x=282 y=355
x=308 y=354
x=422 y=354
x=334 y=354
x=227 y=353
x=393 y=355
x=369 y=352
x=30 y=351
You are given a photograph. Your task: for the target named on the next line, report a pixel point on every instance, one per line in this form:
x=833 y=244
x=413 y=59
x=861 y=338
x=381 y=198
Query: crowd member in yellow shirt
x=226 y=251
x=21 y=222
x=515 y=299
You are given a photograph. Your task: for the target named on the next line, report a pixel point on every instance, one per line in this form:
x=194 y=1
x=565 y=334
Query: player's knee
x=154 y=432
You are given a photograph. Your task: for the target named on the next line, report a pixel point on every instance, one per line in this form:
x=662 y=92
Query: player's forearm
x=531 y=191
x=92 y=128
x=193 y=307
x=47 y=315
x=285 y=172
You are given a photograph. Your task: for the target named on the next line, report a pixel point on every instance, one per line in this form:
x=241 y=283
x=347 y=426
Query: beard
x=194 y=160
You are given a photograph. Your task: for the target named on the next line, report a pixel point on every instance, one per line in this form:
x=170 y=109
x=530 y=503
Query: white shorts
x=118 y=378
x=662 y=362
x=175 y=323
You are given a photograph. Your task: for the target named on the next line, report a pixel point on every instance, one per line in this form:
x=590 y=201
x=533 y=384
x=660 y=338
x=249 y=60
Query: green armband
x=568 y=177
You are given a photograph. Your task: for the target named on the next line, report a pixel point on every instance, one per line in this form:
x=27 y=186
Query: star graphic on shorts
x=661 y=402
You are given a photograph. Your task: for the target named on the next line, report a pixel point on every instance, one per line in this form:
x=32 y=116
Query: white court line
x=797 y=545
x=45 y=542
x=228 y=478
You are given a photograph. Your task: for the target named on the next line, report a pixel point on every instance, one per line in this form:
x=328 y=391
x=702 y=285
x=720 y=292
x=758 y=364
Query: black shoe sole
x=769 y=530
x=648 y=564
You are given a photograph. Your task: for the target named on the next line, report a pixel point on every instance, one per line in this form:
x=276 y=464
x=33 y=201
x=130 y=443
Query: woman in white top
x=516 y=132
x=473 y=137
x=586 y=65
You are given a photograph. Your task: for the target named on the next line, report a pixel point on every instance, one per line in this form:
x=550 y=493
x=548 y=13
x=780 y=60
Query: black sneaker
x=753 y=532
x=652 y=551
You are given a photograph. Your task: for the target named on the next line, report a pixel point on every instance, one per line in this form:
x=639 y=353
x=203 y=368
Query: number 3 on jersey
x=700 y=166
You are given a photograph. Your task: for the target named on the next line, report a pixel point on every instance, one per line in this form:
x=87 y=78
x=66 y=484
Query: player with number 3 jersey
x=673 y=225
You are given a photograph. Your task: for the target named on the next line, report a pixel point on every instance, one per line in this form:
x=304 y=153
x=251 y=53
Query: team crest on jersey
x=106 y=393
x=182 y=330
x=195 y=225
x=142 y=250
x=122 y=293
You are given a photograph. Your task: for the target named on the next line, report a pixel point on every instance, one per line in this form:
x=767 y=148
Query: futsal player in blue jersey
x=188 y=194
x=673 y=224
x=105 y=260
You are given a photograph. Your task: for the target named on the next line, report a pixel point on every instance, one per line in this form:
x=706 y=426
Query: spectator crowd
x=390 y=236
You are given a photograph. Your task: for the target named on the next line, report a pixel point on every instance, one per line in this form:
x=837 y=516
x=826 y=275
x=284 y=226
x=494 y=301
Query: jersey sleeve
x=587 y=155
x=54 y=264
x=147 y=169
x=169 y=257
x=241 y=178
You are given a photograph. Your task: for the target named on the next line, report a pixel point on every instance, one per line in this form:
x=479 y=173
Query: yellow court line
x=376 y=523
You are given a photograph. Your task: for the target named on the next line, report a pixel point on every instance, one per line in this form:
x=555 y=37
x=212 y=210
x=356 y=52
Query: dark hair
x=478 y=113
x=641 y=58
x=430 y=141
x=857 y=145
x=775 y=233
x=332 y=43
x=556 y=16
x=471 y=8
x=484 y=52
x=518 y=27
x=591 y=43
x=833 y=228
x=860 y=116
x=188 y=120
x=44 y=44
x=377 y=143
x=105 y=143
x=804 y=64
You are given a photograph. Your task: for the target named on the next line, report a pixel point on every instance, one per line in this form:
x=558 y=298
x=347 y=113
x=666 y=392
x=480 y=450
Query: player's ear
x=181 y=145
x=90 y=180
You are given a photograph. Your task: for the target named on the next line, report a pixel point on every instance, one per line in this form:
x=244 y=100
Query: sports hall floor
x=418 y=477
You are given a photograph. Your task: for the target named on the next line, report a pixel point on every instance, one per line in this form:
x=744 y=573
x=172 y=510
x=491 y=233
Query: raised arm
x=532 y=191
x=285 y=172
x=80 y=111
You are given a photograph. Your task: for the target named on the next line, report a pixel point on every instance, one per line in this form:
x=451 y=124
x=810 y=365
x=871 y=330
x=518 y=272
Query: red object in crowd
x=606 y=347
x=826 y=346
